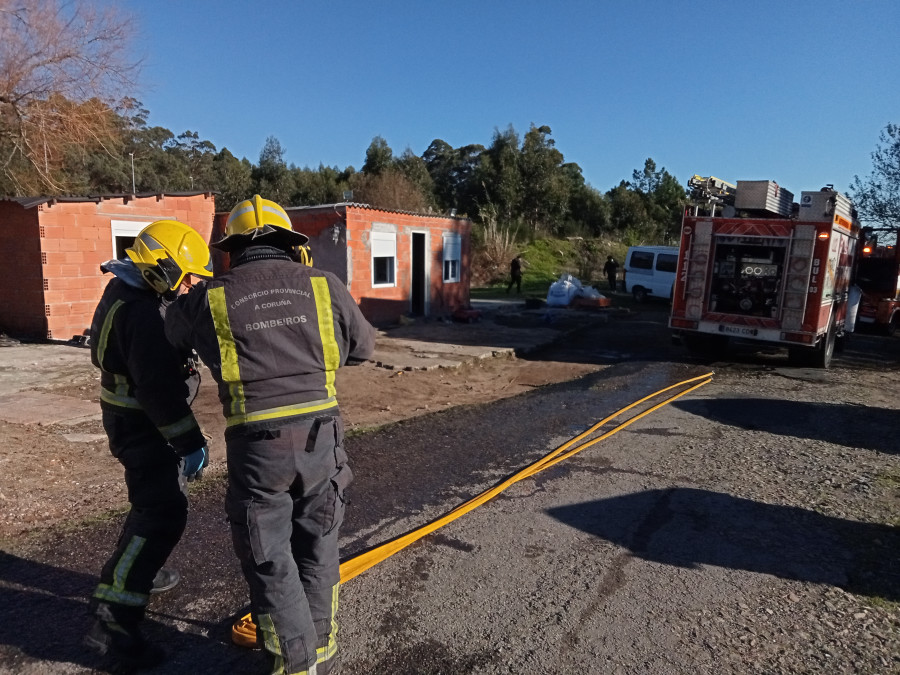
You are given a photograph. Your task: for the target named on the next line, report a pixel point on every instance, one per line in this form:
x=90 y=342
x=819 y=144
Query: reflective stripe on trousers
x=285 y=503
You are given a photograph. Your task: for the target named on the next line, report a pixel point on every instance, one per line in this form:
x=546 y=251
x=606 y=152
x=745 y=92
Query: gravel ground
x=840 y=480
x=752 y=526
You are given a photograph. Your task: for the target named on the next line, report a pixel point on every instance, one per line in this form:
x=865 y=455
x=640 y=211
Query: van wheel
x=639 y=293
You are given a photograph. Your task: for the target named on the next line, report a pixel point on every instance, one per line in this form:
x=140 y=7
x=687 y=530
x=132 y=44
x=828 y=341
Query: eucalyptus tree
x=545 y=185
x=440 y=160
x=379 y=157
x=663 y=200
x=326 y=185
x=629 y=216
x=415 y=170
x=500 y=175
x=196 y=156
x=233 y=179
x=271 y=177
x=589 y=209
x=454 y=175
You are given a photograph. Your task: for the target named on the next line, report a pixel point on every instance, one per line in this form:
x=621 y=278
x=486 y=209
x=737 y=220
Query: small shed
x=53 y=248
x=394 y=263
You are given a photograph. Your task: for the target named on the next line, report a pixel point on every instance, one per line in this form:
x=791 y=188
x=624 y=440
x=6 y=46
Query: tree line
x=523 y=184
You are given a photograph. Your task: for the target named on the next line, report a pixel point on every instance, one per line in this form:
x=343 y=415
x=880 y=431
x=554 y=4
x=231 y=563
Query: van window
x=642 y=260
x=666 y=262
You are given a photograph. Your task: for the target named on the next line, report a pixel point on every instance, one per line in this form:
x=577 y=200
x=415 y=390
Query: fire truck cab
x=767 y=270
x=878 y=278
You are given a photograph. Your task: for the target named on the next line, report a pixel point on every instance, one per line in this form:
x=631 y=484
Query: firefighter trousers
x=285 y=503
x=155 y=522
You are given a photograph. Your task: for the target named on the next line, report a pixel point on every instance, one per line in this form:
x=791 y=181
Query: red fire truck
x=878 y=277
x=768 y=270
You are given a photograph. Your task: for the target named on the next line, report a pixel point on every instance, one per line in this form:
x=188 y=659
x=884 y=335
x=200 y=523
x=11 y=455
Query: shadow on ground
x=44 y=614
x=688 y=528
x=856 y=426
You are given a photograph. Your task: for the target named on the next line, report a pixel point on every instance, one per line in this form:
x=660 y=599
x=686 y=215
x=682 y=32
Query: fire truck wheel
x=815 y=357
x=891 y=328
x=824 y=351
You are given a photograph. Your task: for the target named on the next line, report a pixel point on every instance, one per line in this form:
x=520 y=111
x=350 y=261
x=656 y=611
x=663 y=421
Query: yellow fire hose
x=243 y=632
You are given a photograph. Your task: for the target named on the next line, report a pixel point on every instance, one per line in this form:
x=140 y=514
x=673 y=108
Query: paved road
x=600 y=564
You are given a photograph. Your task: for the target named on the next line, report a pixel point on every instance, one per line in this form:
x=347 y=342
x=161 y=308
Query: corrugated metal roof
x=369 y=207
x=31 y=202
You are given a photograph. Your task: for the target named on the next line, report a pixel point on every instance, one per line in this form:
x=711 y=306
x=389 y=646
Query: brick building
x=54 y=246
x=394 y=262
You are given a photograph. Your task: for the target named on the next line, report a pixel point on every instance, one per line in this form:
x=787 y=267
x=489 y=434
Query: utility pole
x=132 y=173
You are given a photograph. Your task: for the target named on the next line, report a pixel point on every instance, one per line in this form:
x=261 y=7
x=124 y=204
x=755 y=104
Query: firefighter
x=144 y=398
x=273 y=332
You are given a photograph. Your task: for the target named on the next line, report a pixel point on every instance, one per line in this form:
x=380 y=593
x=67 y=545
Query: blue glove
x=192 y=465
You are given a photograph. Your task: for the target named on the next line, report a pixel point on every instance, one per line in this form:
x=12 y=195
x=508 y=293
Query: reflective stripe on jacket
x=140 y=371
x=272 y=332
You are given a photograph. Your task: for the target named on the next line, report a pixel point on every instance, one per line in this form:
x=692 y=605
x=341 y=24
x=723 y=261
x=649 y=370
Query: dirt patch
x=57 y=473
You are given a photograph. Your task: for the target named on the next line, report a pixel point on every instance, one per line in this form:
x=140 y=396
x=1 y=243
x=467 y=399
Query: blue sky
x=794 y=91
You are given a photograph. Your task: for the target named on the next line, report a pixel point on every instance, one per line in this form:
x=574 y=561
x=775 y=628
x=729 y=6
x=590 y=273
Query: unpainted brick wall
x=71 y=240
x=384 y=304
x=350 y=258
x=22 y=297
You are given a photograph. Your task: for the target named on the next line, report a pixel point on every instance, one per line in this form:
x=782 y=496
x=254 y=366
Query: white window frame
x=453 y=255
x=125 y=228
x=384 y=245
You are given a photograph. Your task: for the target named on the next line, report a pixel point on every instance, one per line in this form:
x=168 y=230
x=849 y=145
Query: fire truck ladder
x=699 y=250
x=798 y=272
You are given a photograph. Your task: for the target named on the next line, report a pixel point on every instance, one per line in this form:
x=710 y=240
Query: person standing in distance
x=145 y=386
x=273 y=332
x=515 y=273
x=611 y=270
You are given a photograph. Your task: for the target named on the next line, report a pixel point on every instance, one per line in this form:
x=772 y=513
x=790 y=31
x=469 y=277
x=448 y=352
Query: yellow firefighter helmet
x=259 y=221
x=166 y=250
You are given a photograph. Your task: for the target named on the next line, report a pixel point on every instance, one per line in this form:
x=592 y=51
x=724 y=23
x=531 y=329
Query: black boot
x=165 y=580
x=330 y=667
x=121 y=642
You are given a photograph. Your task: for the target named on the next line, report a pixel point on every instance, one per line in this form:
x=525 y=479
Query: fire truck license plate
x=737 y=330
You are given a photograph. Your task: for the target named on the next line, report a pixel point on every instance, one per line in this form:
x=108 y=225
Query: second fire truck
x=878 y=277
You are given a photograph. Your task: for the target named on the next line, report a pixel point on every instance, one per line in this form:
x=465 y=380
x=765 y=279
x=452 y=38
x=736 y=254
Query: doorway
x=418 y=294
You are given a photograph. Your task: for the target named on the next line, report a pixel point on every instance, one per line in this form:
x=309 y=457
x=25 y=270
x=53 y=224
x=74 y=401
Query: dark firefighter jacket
x=272 y=332
x=140 y=371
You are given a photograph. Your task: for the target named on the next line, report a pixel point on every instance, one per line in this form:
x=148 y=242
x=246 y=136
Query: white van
x=650 y=270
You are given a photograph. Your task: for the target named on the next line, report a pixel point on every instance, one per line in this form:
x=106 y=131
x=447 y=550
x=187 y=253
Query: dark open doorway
x=417 y=294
